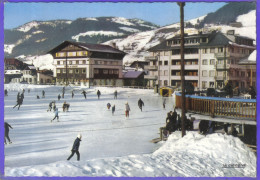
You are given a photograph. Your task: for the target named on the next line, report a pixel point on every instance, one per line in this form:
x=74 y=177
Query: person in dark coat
x=178 y=122
x=38 y=97
x=75 y=148
x=98 y=94
x=203 y=126
x=50 y=106
x=59 y=97
x=17 y=97
x=115 y=94
x=108 y=106
x=140 y=104
x=113 y=109
x=72 y=94
x=84 y=93
x=43 y=94
x=56 y=115
x=6 y=92
x=164 y=103
x=7 y=126
x=22 y=96
x=19 y=103
x=235 y=132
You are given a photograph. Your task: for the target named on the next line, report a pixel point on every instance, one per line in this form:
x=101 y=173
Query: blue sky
x=16 y=14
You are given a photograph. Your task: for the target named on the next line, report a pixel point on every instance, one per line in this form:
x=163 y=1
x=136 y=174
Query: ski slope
x=111 y=145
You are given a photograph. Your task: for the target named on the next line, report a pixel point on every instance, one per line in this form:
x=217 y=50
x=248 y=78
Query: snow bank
x=193 y=155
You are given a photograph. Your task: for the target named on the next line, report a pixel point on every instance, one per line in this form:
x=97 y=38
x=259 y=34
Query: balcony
x=186 y=56
x=150 y=76
x=222 y=55
x=219 y=78
x=151 y=68
x=221 y=66
x=151 y=58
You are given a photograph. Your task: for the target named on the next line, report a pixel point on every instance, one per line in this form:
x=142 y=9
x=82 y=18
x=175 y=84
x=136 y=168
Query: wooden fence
x=215 y=106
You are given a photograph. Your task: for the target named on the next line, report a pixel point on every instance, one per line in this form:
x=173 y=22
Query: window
x=110 y=71
x=211 y=84
x=212 y=62
x=58 y=62
x=76 y=71
x=166 y=63
x=61 y=62
x=204 y=73
x=71 y=71
x=64 y=70
x=96 y=71
x=60 y=54
x=204 y=62
x=220 y=49
x=243 y=74
x=77 y=62
x=165 y=82
x=84 y=62
x=220 y=61
x=79 y=53
x=58 y=70
x=212 y=50
x=116 y=71
x=85 y=53
x=105 y=71
x=212 y=73
x=84 y=71
x=73 y=62
x=204 y=84
x=160 y=63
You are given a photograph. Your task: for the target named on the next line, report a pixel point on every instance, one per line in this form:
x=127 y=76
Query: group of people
x=19 y=100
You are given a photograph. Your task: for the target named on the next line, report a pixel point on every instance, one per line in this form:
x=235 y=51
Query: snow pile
x=8 y=48
x=41 y=62
x=194 y=155
x=96 y=33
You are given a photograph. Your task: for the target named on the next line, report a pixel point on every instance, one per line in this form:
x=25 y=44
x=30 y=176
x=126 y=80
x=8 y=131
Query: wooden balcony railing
x=215 y=106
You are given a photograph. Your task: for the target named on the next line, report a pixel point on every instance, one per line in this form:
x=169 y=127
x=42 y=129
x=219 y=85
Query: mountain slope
x=37 y=37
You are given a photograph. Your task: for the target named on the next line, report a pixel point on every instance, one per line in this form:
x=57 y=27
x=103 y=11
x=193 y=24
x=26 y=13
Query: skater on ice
x=7 y=126
x=56 y=115
x=115 y=94
x=72 y=94
x=50 y=106
x=113 y=109
x=65 y=106
x=19 y=102
x=98 y=94
x=140 y=104
x=22 y=96
x=75 y=147
x=63 y=92
x=84 y=93
x=38 y=97
x=6 y=92
x=164 y=103
x=43 y=94
x=29 y=90
x=108 y=106
x=59 y=97
x=127 y=109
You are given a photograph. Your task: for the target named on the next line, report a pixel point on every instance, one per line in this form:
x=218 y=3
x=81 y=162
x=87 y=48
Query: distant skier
x=43 y=94
x=6 y=92
x=98 y=94
x=56 y=115
x=113 y=109
x=115 y=94
x=140 y=104
x=7 y=126
x=75 y=148
x=127 y=109
x=59 y=97
x=108 y=106
x=84 y=93
x=72 y=94
x=164 y=103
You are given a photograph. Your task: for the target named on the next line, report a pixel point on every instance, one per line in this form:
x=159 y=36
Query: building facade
x=210 y=60
x=88 y=64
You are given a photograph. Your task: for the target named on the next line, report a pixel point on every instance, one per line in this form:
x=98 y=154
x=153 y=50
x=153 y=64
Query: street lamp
x=158 y=58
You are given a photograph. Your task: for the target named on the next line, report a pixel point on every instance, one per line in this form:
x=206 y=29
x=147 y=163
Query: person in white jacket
x=127 y=109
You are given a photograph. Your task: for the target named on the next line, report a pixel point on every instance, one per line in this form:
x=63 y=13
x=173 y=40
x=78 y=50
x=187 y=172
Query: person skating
x=53 y=105
x=59 y=97
x=38 y=97
x=56 y=115
x=29 y=90
x=43 y=94
x=84 y=93
x=65 y=106
x=17 y=97
x=19 y=103
x=108 y=106
x=72 y=94
x=63 y=92
x=115 y=94
x=75 y=148
x=6 y=92
x=164 y=103
x=98 y=94
x=127 y=109
x=7 y=126
x=22 y=95
x=50 y=106
x=140 y=104
x=113 y=109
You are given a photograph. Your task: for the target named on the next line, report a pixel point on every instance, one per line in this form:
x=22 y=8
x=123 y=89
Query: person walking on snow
x=84 y=93
x=164 y=103
x=7 y=126
x=113 y=109
x=127 y=109
x=140 y=104
x=115 y=94
x=59 y=97
x=75 y=147
x=72 y=94
x=6 y=92
x=98 y=94
x=56 y=115
x=43 y=94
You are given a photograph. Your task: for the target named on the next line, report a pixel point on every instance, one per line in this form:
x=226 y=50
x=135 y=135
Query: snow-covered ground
x=111 y=145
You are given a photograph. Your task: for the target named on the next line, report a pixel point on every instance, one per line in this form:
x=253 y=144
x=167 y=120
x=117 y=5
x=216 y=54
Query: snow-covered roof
x=13 y=72
x=250 y=60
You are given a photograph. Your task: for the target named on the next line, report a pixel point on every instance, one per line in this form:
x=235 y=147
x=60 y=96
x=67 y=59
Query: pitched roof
x=132 y=74
x=88 y=46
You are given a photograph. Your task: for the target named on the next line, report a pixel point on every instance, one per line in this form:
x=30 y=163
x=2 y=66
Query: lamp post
x=158 y=58
x=182 y=4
